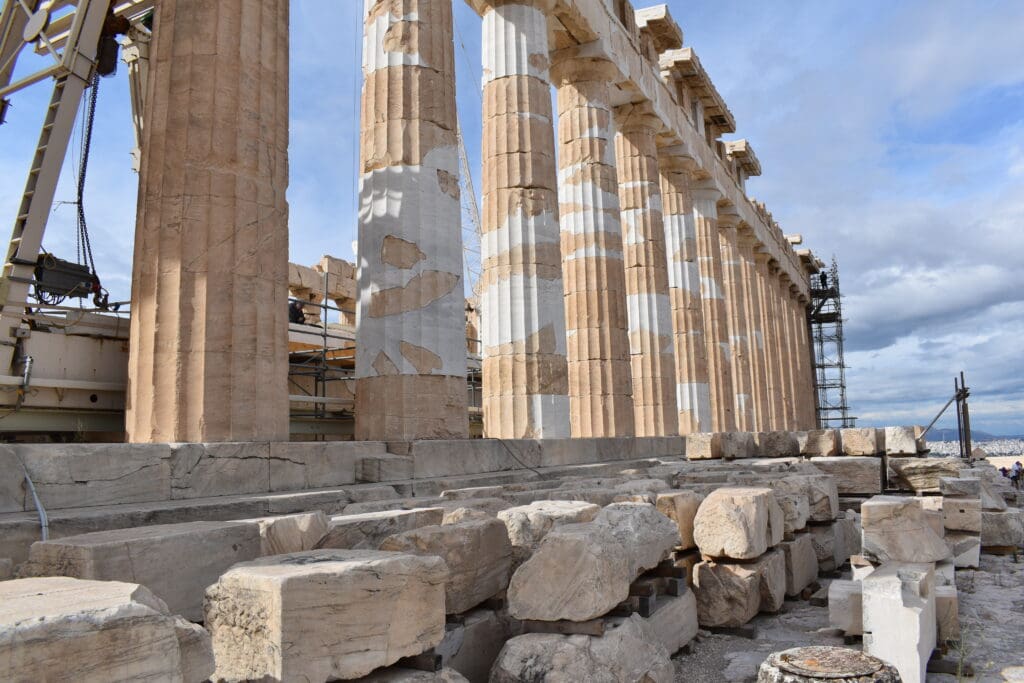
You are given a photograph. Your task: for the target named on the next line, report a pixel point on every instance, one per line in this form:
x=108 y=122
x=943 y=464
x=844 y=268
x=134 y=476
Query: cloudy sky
x=890 y=135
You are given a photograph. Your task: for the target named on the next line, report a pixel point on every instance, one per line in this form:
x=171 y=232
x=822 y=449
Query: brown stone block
x=588 y=310
x=409 y=407
x=525 y=374
x=517 y=94
x=517 y=132
x=518 y=170
x=400 y=142
x=501 y=204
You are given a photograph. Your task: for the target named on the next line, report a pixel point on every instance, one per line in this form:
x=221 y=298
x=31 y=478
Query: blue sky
x=890 y=135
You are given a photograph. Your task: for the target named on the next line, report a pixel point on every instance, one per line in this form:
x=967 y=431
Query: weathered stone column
x=786 y=349
x=808 y=418
x=771 y=343
x=411 y=348
x=650 y=312
x=600 y=389
x=208 y=357
x=525 y=385
x=735 y=305
x=755 y=338
x=716 y=329
x=693 y=392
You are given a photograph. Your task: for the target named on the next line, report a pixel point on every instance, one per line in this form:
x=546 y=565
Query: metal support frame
x=72 y=72
x=825 y=321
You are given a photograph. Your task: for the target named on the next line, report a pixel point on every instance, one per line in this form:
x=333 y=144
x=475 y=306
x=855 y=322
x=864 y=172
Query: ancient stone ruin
x=651 y=477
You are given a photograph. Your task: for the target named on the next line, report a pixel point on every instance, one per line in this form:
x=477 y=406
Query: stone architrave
x=624 y=653
x=681 y=507
x=208 y=349
x=477 y=552
x=527 y=525
x=861 y=441
x=712 y=292
x=649 y=309
x=738 y=523
x=605 y=556
x=736 y=321
x=897 y=529
x=324 y=614
x=57 y=628
x=801 y=563
x=597 y=326
x=921 y=475
x=366 y=531
x=822 y=443
x=176 y=561
x=410 y=332
x=728 y=595
x=854 y=475
x=522 y=312
x=693 y=391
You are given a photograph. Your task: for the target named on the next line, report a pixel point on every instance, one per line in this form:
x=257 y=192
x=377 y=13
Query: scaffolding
x=825 y=319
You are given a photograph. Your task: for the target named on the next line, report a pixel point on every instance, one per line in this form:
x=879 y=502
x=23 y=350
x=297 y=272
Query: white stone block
x=290 y=533
x=176 y=561
x=366 y=531
x=477 y=552
x=59 y=628
x=681 y=507
x=900 y=618
x=738 y=523
x=897 y=529
x=845 y=606
x=324 y=614
x=801 y=563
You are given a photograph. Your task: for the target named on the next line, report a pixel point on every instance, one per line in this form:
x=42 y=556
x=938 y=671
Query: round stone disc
x=828 y=662
x=35 y=24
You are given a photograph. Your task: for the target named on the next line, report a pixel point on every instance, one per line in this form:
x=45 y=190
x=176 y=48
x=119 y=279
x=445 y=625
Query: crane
x=62 y=357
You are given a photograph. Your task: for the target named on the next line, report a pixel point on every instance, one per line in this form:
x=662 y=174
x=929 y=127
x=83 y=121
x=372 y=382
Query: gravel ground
x=994 y=447
x=991 y=616
x=720 y=658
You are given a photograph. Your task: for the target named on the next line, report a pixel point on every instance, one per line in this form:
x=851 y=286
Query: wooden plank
x=593 y=627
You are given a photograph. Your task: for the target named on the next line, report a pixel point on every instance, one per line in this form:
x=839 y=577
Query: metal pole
x=959 y=419
x=967 y=417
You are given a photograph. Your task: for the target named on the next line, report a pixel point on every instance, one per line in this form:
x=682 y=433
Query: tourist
x=1005 y=472
x=1016 y=472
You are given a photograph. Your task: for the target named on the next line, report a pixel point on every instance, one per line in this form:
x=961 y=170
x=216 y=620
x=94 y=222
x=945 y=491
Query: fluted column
x=693 y=391
x=806 y=390
x=600 y=388
x=771 y=344
x=755 y=338
x=650 y=312
x=786 y=346
x=716 y=327
x=411 y=348
x=735 y=305
x=208 y=358
x=525 y=383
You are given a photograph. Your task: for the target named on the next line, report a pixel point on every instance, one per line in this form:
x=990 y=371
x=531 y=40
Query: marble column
x=693 y=391
x=808 y=418
x=786 y=346
x=773 y=399
x=755 y=338
x=525 y=382
x=716 y=328
x=650 y=313
x=600 y=386
x=208 y=358
x=736 y=320
x=410 y=327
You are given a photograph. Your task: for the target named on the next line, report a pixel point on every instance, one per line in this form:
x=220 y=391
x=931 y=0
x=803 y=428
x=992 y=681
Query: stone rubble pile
x=610 y=567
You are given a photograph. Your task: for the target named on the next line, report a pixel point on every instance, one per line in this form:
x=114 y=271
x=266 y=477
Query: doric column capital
x=571 y=69
x=637 y=117
x=482 y=7
x=728 y=219
x=705 y=190
x=676 y=158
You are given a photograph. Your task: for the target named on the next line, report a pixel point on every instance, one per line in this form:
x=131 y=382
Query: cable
x=84 y=244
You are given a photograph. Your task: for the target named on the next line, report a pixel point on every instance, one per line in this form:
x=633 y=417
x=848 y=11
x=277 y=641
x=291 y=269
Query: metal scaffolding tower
x=825 y=318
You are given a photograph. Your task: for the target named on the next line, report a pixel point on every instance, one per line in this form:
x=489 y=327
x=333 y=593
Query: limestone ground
x=991 y=616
